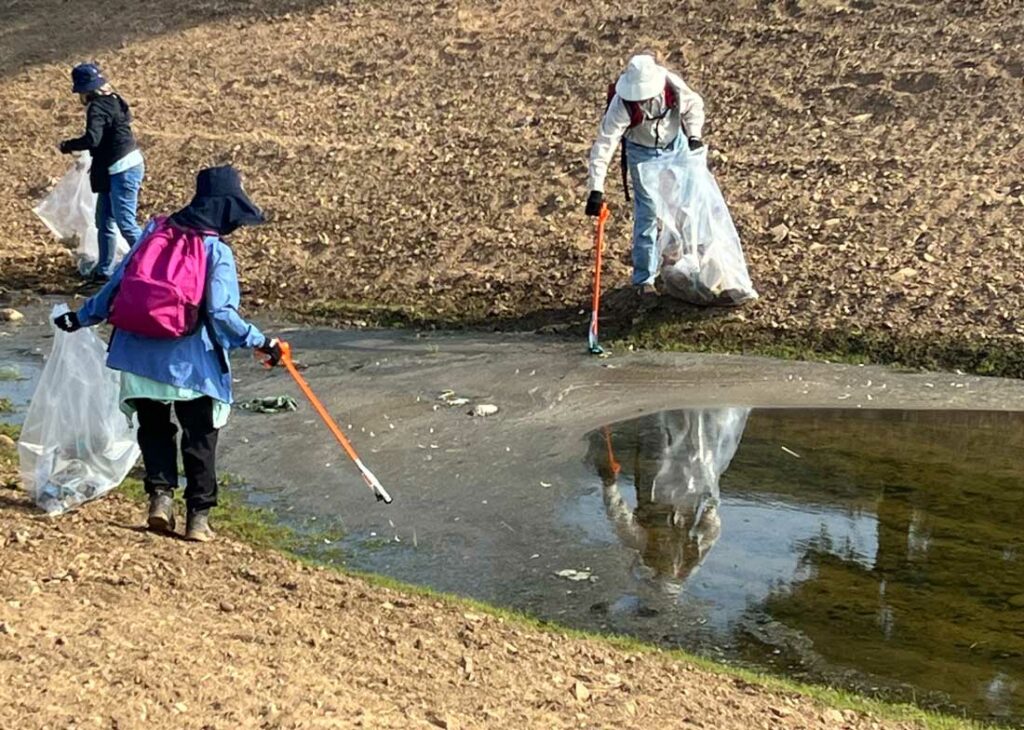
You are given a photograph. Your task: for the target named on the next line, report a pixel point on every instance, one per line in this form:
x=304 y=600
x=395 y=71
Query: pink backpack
x=162 y=287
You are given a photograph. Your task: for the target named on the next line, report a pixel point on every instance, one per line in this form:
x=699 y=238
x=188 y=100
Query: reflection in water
x=675 y=460
x=878 y=550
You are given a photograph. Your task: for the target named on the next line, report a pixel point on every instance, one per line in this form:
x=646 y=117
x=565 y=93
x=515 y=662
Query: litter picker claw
x=595 y=348
x=371 y=481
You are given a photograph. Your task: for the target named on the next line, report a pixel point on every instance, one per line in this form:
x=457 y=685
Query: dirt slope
x=431 y=156
x=103 y=625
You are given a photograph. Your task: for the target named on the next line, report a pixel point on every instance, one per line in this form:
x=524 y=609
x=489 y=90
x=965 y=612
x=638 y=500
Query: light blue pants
x=115 y=211
x=645 y=219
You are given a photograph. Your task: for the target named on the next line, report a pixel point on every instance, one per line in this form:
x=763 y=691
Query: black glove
x=695 y=143
x=68 y=322
x=594 y=202
x=272 y=349
x=65 y=148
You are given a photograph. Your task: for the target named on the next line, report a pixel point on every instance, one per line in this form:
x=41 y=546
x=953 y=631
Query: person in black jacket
x=117 y=164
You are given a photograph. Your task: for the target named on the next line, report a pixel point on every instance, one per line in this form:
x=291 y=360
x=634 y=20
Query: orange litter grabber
x=371 y=481
x=595 y=348
x=615 y=466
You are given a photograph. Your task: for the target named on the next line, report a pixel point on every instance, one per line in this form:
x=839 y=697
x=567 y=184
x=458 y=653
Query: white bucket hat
x=644 y=79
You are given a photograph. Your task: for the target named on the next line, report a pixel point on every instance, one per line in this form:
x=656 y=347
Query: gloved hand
x=63 y=147
x=695 y=143
x=68 y=322
x=272 y=349
x=594 y=202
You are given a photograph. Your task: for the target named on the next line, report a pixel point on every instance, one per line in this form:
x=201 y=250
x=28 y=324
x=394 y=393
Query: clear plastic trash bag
x=702 y=259
x=69 y=211
x=76 y=444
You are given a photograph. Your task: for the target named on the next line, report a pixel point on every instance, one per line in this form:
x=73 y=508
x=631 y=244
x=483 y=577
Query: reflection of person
x=676 y=460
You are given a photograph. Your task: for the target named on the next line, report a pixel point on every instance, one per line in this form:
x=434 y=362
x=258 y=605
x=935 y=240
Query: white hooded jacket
x=659 y=129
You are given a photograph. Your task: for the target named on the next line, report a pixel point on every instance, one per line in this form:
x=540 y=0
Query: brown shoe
x=161 y=513
x=197 y=526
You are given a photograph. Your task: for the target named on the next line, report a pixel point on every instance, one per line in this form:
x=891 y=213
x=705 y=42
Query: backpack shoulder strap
x=671 y=95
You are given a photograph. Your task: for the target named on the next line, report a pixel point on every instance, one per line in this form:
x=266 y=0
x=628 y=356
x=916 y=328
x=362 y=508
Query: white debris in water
x=576 y=575
x=791 y=452
x=534 y=556
x=484 y=409
x=546 y=485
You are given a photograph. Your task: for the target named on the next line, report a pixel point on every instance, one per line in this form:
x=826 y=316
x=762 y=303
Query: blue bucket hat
x=86 y=77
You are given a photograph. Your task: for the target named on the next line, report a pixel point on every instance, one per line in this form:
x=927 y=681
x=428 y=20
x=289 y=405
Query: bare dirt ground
x=104 y=625
x=430 y=158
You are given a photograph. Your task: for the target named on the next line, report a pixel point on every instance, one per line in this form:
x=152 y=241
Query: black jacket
x=108 y=137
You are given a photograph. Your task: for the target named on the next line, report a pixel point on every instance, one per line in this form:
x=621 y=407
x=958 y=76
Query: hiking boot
x=161 y=512
x=197 y=526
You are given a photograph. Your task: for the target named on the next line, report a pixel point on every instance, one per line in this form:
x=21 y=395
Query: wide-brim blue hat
x=220 y=204
x=86 y=77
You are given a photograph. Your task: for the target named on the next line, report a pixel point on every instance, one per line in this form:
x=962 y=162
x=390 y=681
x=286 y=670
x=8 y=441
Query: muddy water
x=876 y=549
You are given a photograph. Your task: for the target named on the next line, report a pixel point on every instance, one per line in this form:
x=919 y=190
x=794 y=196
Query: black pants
x=157 y=439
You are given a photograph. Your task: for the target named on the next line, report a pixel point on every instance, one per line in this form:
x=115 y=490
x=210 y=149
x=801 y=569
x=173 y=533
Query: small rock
x=6 y=629
x=833 y=716
x=6 y=442
x=11 y=315
x=227 y=607
x=904 y=274
x=630 y=708
x=484 y=409
x=780 y=232
x=580 y=692
x=442 y=721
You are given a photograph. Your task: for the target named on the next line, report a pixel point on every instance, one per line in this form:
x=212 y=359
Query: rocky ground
x=428 y=160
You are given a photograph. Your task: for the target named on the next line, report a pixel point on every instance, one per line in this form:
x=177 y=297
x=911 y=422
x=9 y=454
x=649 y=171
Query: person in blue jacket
x=190 y=375
x=117 y=165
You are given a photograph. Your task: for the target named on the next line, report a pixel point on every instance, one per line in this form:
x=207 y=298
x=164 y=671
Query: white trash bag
x=76 y=444
x=702 y=259
x=69 y=211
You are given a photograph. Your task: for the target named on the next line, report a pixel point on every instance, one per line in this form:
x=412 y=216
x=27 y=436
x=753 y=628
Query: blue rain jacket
x=193 y=361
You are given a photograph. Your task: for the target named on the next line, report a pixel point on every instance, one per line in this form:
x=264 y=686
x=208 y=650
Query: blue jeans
x=645 y=219
x=115 y=211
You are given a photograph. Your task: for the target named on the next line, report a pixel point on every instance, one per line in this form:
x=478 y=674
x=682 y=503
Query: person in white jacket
x=653 y=112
